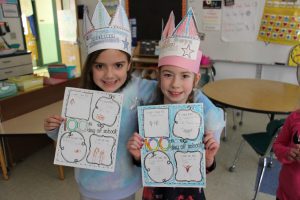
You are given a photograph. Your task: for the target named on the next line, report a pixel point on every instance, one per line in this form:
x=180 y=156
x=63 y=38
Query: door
x=48 y=40
x=68 y=33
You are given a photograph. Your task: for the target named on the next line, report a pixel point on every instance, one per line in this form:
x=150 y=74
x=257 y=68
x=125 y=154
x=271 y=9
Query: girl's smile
x=110 y=70
x=176 y=84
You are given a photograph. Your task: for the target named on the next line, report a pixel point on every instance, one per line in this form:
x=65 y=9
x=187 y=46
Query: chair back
x=273 y=129
x=298 y=74
x=204 y=79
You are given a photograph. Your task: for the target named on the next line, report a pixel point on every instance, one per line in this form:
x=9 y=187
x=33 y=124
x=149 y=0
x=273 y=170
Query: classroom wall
x=224 y=70
x=227 y=70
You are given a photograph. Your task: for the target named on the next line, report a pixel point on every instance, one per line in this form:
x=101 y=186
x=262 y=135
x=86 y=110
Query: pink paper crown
x=104 y=32
x=180 y=46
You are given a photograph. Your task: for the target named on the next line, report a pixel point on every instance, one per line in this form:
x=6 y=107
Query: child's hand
x=53 y=122
x=134 y=146
x=294 y=153
x=211 y=147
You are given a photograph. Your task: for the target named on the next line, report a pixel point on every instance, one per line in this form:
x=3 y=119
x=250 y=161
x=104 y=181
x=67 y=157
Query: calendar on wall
x=280 y=22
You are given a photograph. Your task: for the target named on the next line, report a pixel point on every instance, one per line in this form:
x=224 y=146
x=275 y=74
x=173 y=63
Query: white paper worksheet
x=89 y=136
x=173 y=153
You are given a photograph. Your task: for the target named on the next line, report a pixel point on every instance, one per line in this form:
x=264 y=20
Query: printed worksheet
x=173 y=154
x=88 y=137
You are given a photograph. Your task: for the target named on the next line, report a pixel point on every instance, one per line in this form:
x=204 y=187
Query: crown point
x=170 y=26
x=87 y=25
x=100 y=18
x=188 y=26
x=120 y=19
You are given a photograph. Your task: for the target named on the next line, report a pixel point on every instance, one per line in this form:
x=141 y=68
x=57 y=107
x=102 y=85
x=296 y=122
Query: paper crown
x=104 y=32
x=180 y=46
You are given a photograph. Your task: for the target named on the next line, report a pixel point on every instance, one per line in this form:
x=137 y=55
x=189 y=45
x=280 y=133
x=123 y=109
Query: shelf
x=25 y=102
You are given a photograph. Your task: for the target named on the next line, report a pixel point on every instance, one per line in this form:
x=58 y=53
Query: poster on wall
x=280 y=22
x=173 y=154
x=67 y=25
x=240 y=22
x=88 y=138
x=211 y=15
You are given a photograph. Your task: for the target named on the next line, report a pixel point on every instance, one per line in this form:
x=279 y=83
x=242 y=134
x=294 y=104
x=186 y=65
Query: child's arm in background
x=51 y=125
x=285 y=151
x=211 y=149
x=294 y=153
x=134 y=145
x=213 y=116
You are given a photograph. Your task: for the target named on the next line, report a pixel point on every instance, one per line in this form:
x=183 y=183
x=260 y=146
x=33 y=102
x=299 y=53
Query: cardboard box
x=27 y=82
x=62 y=71
x=7 y=89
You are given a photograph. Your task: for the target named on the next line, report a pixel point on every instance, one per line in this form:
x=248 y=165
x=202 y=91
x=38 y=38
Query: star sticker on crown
x=187 y=51
x=125 y=43
x=179 y=45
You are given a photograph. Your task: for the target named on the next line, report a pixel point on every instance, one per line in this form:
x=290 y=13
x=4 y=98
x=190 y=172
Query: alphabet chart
x=173 y=153
x=88 y=137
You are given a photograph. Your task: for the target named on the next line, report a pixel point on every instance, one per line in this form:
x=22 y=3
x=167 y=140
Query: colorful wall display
x=280 y=22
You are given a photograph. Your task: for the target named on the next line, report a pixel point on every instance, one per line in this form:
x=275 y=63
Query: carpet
x=269 y=182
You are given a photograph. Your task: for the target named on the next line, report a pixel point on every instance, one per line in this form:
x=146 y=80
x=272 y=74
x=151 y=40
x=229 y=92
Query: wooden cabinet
x=24 y=102
x=15 y=65
x=22 y=118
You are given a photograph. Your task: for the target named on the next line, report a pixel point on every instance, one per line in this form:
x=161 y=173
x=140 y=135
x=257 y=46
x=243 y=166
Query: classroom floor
x=36 y=178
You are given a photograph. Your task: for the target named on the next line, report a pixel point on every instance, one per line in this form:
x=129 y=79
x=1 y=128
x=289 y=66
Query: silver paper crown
x=104 y=32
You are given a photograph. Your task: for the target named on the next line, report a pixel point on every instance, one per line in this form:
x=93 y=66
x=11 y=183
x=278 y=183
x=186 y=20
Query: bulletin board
x=253 y=52
x=150 y=15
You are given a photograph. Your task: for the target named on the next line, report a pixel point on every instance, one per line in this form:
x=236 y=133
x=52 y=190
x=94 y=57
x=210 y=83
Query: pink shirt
x=289 y=178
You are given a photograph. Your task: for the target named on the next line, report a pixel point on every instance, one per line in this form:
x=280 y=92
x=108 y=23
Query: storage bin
x=62 y=71
x=7 y=89
x=27 y=82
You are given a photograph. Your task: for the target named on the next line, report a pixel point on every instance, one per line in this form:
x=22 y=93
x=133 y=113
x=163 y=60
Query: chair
x=236 y=113
x=261 y=143
x=205 y=78
x=298 y=74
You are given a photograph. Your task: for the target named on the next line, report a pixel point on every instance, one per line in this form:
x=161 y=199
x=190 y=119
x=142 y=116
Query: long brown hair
x=87 y=81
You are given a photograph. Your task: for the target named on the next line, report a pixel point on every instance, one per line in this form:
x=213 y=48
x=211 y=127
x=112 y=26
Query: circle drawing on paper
x=72 y=146
x=158 y=166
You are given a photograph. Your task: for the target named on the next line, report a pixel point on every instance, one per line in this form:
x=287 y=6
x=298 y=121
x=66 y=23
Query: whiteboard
x=255 y=52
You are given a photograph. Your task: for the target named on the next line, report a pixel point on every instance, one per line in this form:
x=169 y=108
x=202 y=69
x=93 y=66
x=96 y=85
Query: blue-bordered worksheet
x=173 y=153
x=88 y=137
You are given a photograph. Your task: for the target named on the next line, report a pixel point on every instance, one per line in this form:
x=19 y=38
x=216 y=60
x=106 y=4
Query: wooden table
x=27 y=124
x=31 y=122
x=261 y=96
x=24 y=114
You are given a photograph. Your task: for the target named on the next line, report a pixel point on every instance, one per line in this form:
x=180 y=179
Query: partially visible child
x=179 y=63
x=287 y=150
x=107 y=68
